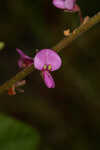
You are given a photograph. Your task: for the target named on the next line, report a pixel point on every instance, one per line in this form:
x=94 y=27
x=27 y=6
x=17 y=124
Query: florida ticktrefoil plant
x=47 y=60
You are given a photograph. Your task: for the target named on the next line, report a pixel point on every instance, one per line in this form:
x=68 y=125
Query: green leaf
x=17 y=136
x=2 y=45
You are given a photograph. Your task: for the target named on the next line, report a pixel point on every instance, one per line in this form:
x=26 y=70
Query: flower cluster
x=46 y=60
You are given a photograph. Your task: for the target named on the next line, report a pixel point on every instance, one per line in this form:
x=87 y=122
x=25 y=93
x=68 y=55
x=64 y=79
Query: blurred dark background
x=67 y=117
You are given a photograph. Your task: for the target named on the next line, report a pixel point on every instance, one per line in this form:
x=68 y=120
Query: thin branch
x=19 y=76
x=77 y=32
x=61 y=45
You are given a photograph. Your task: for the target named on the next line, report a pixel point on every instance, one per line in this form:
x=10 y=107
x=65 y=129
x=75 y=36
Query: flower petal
x=59 y=4
x=47 y=57
x=20 y=52
x=49 y=81
x=69 y=4
x=24 y=60
x=64 y=4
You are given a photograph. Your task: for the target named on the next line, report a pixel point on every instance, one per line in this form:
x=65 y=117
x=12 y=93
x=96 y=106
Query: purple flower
x=65 y=4
x=47 y=61
x=24 y=60
x=68 y=5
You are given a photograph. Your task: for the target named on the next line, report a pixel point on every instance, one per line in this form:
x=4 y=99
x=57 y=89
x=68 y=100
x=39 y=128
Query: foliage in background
x=15 y=135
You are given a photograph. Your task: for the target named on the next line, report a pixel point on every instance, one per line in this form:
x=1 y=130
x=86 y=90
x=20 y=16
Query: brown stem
x=61 y=45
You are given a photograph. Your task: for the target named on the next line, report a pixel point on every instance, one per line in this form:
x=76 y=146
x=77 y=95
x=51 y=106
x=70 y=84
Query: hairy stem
x=61 y=45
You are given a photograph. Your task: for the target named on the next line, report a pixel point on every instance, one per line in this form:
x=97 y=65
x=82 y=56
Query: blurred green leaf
x=17 y=136
x=2 y=45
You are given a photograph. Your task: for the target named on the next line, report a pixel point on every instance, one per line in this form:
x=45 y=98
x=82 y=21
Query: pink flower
x=47 y=61
x=68 y=5
x=24 y=60
x=65 y=4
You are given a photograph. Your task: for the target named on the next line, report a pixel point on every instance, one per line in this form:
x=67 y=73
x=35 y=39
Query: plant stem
x=61 y=45
x=77 y=32
x=19 y=76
